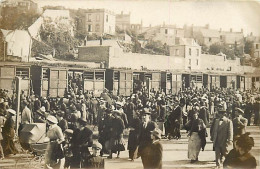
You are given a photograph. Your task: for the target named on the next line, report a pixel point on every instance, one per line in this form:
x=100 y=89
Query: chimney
x=242 y=30
x=101 y=41
x=150 y=25
x=163 y=23
x=207 y=26
x=231 y=30
x=251 y=34
x=220 y=29
x=122 y=12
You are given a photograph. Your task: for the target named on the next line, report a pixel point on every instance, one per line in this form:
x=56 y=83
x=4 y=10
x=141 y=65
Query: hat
x=44 y=98
x=42 y=109
x=68 y=131
x=52 y=119
x=157 y=133
x=82 y=121
x=119 y=103
x=97 y=145
x=240 y=111
x=1 y=100
x=13 y=112
x=146 y=111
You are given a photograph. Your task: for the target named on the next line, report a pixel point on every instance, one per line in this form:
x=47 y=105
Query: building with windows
x=257 y=49
x=188 y=49
x=231 y=38
x=123 y=21
x=21 y=6
x=100 y=21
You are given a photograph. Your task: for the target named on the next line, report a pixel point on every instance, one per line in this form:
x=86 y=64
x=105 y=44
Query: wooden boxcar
x=166 y=82
x=94 y=81
x=153 y=80
x=120 y=82
x=138 y=80
x=176 y=82
x=8 y=72
x=192 y=79
x=49 y=81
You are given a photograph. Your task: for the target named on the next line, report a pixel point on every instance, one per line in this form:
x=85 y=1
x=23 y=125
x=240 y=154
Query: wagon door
x=58 y=82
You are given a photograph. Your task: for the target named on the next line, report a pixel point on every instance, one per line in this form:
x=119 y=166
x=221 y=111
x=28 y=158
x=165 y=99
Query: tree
x=249 y=48
x=217 y=48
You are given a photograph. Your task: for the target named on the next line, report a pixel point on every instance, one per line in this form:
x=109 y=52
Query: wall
x=152 y=62
x=194 y=57
x=94 y=54
x=219 y=63
x=110 y=25
x=123 y=21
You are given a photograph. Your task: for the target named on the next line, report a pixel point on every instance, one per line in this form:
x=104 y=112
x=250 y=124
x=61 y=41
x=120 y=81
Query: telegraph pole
x=18 y=99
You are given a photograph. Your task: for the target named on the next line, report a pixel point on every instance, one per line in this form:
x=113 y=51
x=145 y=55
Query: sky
x=239 y=14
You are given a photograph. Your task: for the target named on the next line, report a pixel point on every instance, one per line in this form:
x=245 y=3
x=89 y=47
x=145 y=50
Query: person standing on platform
x=153 y=151
x=222 y=136
x=9 y=133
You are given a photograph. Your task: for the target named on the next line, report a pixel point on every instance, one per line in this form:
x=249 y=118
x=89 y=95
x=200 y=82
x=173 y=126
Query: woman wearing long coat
x=133 y=138
x=116 y=141
x=54 y=156
x=197 y=137
x=9 y=133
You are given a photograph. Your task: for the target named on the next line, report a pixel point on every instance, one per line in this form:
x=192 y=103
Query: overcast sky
x=219 y=14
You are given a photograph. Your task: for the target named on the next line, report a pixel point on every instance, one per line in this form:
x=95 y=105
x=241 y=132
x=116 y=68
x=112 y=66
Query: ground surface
x=174 y=156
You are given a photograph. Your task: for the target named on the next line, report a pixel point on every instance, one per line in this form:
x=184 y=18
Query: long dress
x=8 y=137
x=54 y=134
x=195 y=141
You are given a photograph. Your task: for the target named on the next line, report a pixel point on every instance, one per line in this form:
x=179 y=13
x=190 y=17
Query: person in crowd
x=203 y=113
x=117 y=143
x=240 y=157
x=9 y=133
x=145 y=134
x=239 y=123
x=46 y=104
x=133 y=138
x=130 y=111
x=248 y=112
x=54 y=155
x=62 y=122
x=222 y=136
x=68 y=148
x=197 y=137
x=36 y=104
x=152 y=158
x=256 y=109
x=176 y=121
x=26 y=114
x=95 y=161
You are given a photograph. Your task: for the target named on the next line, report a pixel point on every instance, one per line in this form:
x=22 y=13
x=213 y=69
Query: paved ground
x=174 y=156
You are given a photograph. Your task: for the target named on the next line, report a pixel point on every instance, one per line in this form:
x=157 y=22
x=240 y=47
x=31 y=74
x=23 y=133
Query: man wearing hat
x=26 y=114
x=221 y=135
x=9 y=133
x=239 y=123
x=145 y=135
x=95 y=161
x=153 y=151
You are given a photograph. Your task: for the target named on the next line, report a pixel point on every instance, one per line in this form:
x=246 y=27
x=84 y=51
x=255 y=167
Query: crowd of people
x=145 y=116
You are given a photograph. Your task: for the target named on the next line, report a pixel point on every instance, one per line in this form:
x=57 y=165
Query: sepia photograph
x=129 y=84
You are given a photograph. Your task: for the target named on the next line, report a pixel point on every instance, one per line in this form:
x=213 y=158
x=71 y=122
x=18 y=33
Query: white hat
x=42 y=109
x=52 y=119
x=1 y=100
x=11 y=111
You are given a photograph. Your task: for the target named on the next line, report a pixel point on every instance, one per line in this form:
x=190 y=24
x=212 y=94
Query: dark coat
x=234 y=160
x=239 y=126
x=145 y=135
x=152 y=156
x=204 y=115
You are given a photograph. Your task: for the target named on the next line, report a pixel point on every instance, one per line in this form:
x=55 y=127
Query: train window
x=149 y=76
x=88 y=75
x=22 y=72
x=99 y=75
x=257 y=79
x=45 y=74
x=116 y=75
x=199 y=79
x=193 y=77
x=169 y=77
